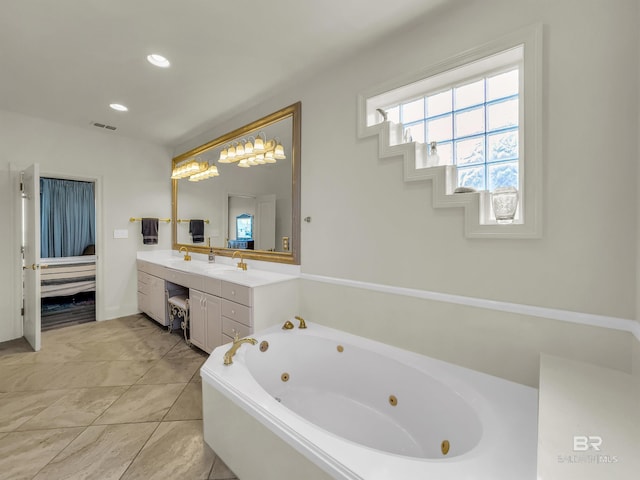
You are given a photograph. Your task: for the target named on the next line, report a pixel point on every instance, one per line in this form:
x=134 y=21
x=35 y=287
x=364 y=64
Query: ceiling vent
x=102 y=125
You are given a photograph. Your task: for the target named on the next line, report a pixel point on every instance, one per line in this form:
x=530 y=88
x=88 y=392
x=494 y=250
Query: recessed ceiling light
x=158 y=60
x=118 y=107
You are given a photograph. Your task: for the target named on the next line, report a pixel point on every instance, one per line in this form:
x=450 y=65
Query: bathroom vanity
x=222 y=298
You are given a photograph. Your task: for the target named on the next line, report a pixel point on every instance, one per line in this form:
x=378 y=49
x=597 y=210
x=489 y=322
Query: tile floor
x=120 y=399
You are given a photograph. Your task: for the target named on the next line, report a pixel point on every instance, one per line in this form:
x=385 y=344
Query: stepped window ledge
x=412 y=103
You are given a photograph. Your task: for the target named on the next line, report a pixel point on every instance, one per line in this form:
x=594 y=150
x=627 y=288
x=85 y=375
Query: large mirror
x=247 y=202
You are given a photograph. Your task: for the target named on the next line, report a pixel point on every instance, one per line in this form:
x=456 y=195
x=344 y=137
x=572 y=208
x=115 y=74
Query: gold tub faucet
x=187 y=257
x=228 y=357
x=303 y=324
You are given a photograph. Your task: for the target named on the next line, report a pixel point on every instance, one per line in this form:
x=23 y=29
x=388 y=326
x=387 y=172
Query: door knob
x=32 y=267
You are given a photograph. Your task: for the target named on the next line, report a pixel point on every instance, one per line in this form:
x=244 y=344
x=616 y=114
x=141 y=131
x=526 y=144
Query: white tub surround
x=589 y=422
x=223 y=299
x=359 y=409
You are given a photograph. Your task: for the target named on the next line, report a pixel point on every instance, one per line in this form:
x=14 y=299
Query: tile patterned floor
x=120 y=399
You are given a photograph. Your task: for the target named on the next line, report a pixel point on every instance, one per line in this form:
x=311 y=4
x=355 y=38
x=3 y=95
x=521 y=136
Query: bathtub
x=321 y=403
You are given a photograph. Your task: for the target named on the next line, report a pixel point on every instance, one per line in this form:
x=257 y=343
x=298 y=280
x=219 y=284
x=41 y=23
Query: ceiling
x=67 y=60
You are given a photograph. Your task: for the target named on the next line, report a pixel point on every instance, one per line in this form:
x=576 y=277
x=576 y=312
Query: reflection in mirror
x=253 y=203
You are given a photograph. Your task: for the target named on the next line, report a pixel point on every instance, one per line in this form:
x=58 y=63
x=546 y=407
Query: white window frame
x=479 y=222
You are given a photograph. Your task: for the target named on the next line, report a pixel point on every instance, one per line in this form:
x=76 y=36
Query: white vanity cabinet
x=152 y=291
x=218 y=306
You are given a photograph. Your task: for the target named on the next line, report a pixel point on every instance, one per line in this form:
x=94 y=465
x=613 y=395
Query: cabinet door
x=213 y=323
x=197 y=332
x=157 y=302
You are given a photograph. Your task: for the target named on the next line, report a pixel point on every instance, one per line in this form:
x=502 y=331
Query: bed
x=66 y=276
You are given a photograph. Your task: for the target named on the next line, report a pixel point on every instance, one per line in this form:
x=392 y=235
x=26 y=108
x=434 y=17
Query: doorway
x=67 y=251
x=71 y=274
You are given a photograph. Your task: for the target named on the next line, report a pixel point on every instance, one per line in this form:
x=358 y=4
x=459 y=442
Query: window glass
x=470 y=150
x=414 y=132
x=503 y=146
x=469 y=95
x=476 y=127
x=413 y=111
x=503 y=175
x=469 y=122
x=445 y=152
x=439 y=103
x=472 y=177
x=502 y=114
x=439 y=129
x=503 y=85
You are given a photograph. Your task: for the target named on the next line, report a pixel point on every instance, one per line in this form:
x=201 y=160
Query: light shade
x=258 y=145
x=278 y=153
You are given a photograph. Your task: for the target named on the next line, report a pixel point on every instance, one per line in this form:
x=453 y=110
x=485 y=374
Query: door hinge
x=22 y=309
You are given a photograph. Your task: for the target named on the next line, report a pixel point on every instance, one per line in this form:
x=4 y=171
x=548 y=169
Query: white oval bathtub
x=360 y=409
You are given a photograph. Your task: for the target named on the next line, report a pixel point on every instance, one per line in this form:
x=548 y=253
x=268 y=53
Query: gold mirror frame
x=291 y=257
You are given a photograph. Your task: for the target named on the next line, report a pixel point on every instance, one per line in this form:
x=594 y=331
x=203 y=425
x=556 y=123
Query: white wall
x=361 y=210
x=133 y=182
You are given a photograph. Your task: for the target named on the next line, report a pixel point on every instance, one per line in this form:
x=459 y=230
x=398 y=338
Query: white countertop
x=252 y=277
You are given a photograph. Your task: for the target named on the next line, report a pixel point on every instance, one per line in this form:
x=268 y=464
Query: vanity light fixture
x=158 y=60
x=211 y=171
x=118 y=107
x=188 y=168
x=252 y=151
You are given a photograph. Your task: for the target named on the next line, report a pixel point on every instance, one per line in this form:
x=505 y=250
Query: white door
x=265 y=228
x=31 y=259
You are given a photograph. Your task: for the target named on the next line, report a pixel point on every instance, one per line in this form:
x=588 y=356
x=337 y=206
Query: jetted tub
x=360 y=409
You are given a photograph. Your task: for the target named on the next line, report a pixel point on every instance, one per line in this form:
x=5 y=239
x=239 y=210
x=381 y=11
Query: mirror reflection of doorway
x=252 y=222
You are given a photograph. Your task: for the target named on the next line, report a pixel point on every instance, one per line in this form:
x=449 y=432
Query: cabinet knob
x=233 y=292
x=233 y=312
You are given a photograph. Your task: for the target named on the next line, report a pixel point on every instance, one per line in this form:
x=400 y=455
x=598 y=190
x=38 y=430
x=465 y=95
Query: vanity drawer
x=143 y=278
x=188 y=280
x=228 y=326
x=151 y=268
x=144 y=288
x=237 y=312
x=212 y=286
x=236 y=293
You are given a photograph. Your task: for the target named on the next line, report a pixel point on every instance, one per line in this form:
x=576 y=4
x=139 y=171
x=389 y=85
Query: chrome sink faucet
x=237 y=342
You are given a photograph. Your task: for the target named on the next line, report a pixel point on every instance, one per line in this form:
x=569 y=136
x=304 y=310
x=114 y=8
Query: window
x=474 y=121
x=484 y=109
